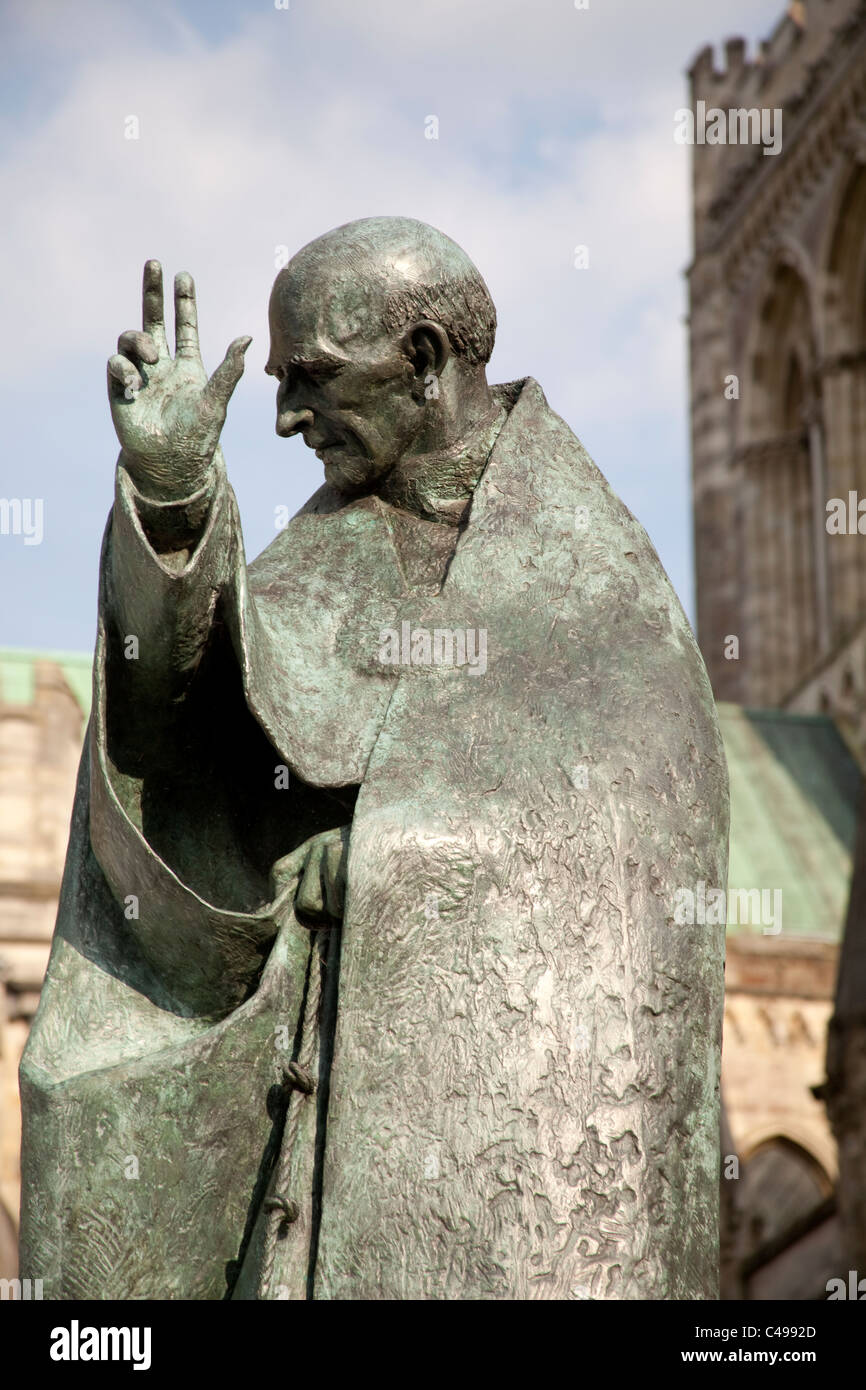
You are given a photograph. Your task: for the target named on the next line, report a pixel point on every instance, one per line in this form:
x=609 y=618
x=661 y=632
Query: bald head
x=386 y=272
x=380 y=333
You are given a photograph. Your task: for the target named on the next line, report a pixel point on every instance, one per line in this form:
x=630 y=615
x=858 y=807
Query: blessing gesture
x=167 y=413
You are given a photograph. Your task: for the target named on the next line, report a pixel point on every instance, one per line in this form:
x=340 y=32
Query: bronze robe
x=519 y=1068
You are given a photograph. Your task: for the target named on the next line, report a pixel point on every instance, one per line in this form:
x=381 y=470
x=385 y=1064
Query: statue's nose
x=289 y=422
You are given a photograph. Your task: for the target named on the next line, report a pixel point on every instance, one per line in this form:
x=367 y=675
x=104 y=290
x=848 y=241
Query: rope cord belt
x=280 y=1209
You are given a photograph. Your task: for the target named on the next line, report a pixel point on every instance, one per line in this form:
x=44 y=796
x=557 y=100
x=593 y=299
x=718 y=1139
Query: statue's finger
x=288 y=869
x=152 y=306
x=310 y=899
x=141 y=345
x=228 y=373
x=185 y=317
x=124 y=372
x=334 y=879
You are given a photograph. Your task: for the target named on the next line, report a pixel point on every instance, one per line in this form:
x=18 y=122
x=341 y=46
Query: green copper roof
x=794 y=790
x=18 y=676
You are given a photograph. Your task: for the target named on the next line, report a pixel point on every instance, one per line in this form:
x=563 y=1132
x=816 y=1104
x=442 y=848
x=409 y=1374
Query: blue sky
x=262 y=128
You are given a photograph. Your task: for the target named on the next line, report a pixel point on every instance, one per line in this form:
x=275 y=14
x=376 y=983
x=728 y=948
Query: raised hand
x=167 y=414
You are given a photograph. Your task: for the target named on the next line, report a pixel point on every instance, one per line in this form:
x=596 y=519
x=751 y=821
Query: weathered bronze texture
x=366 y=981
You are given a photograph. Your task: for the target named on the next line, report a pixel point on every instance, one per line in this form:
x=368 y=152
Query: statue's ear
x=427 y=346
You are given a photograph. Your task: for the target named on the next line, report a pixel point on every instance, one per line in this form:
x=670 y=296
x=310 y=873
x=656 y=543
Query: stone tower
x=778 y=366
x=777 y=330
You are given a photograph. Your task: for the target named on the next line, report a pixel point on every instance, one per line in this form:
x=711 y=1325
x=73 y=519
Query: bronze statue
x=366 y=981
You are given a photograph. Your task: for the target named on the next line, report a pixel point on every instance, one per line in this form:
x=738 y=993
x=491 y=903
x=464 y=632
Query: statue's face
x=344 y=383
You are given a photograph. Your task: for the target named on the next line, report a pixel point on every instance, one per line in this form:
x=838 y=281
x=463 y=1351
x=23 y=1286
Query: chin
x=351 y=475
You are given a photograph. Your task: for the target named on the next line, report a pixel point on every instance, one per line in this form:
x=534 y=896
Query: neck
x=438 y=483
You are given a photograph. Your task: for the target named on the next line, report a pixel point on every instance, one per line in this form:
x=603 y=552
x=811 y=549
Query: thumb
x=228 y=373
x=288 y=870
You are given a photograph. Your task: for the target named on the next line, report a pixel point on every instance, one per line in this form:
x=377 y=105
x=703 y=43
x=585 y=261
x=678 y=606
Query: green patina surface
x=794 y=787
x=517 y=1082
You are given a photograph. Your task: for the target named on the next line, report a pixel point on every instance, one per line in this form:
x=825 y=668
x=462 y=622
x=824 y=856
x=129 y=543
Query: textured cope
x=518 y=1063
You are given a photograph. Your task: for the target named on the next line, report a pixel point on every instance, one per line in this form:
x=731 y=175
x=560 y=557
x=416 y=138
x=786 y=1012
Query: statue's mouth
x=322 y=446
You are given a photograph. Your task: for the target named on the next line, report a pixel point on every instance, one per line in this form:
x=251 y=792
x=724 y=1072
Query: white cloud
x=556 y=129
